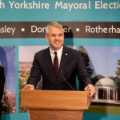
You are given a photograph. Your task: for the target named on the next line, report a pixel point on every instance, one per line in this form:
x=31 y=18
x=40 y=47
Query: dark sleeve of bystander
x=2 y=82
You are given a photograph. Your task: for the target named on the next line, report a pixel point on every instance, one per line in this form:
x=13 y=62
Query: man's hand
x=91 y=89
x=28 y=87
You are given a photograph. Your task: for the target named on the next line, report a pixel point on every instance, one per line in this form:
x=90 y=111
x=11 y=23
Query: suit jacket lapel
x=48 y=60
x=64 y=58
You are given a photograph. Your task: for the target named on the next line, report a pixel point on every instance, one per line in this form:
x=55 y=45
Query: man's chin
x=57 y=47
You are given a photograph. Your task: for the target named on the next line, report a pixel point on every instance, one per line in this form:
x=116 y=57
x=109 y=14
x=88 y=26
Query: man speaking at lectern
x=58 y=65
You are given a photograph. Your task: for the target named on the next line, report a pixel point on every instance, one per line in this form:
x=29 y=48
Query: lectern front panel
x=55 y=115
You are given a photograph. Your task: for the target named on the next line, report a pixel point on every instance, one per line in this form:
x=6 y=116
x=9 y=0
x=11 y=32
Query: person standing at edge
x=2 y=82
x=58 y=65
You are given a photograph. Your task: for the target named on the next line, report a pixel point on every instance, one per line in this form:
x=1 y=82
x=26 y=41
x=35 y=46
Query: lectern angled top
x=54 y=99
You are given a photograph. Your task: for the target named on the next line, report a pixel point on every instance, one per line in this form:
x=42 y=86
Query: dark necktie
x=55 y=63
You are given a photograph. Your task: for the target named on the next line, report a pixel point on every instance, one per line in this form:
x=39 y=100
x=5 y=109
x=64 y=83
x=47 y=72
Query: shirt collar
x=58 y=51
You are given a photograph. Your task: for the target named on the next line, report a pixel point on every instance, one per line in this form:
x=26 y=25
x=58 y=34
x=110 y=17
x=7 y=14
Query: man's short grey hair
x=54 y=24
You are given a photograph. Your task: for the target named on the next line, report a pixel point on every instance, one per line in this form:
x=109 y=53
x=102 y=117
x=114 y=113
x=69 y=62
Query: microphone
x=66 y=82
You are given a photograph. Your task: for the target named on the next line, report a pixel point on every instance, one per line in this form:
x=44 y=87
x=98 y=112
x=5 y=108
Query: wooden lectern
x=55 y=105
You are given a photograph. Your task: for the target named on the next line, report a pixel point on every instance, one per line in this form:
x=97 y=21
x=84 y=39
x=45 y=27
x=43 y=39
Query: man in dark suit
x=58 y=65
x=2 y=81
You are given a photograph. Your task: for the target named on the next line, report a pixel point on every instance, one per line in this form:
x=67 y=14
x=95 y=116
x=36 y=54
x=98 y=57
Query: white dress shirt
x=59 y=54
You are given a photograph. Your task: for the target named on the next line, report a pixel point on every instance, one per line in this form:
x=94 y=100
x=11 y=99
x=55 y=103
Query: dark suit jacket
x=2 y=81
x=71 y=66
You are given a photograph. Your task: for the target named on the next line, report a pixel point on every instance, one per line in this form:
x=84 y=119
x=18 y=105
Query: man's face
x=55 y=37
